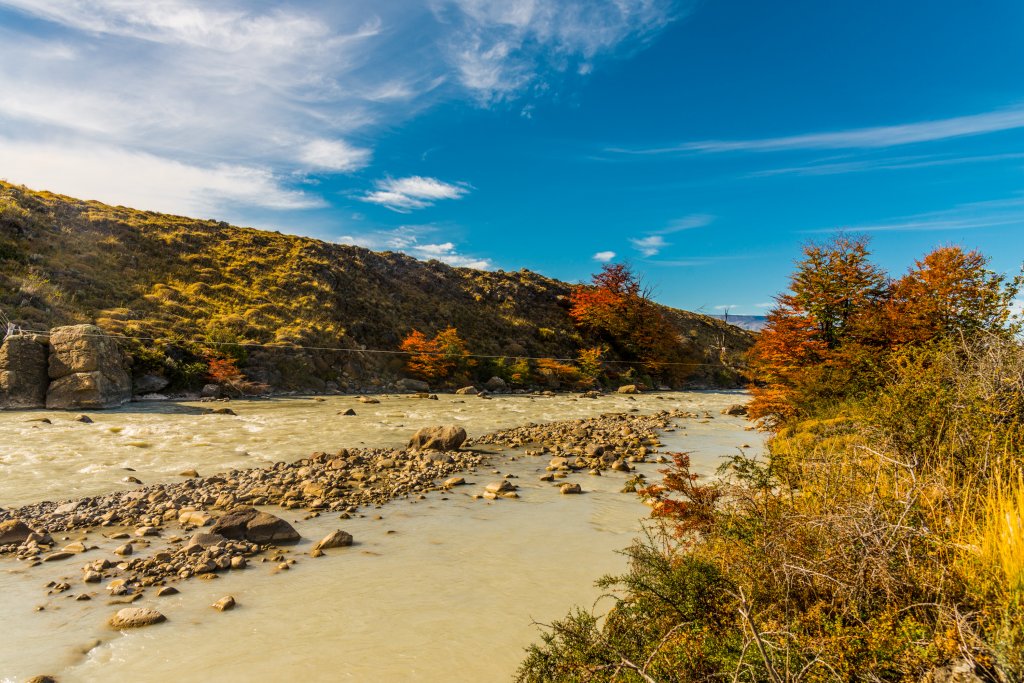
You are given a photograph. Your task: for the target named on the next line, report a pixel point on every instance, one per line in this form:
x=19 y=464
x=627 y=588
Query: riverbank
x=516 y=464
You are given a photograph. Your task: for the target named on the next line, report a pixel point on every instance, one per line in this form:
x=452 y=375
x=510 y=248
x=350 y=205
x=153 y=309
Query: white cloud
x=877 y=137
x=334 y=155
x=159 y=184
x=969 y=216
x=407 y=239
x=500 y=47
x=415 y=192
x=650 y=245
x=604 y=256
x=697 y=220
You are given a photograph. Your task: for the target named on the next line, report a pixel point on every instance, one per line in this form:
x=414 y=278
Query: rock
x=76 y=547
x=367 y=399
x=495 y=384
x=547 y=477
x=41 y=679
x=409 y=384
x=14 y=531
x=453 y=481
x=84 y=419
x=87 y=369
x=166 y=590
x=958 y=672
x=446 y=438
x=92 y=576
x=221 y=411
x=136 y=617
x=195 y=518
x=23 y=372
x=570 y=488
x=335 y=539
x=500 y=486
x=204 y=540
x=629 y=389
x=210 y=391
x=621 y=466
x=224 y=604
x=59 y=555
x=124 y=550
x=248 y=524
x=735 y=409
x=149 y=384
x=348 y=412
x=188 y=473
x=132 y=480
x=467 y=391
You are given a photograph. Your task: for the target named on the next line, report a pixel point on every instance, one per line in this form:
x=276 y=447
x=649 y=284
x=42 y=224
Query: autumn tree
x=224 y=371
x=436 y=358
x=618 y=310
x=948 y=291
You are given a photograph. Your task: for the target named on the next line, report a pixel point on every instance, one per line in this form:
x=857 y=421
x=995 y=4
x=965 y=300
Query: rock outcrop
x=23 y=377
x=86 y=369
x=447 y=438
x=249 y=524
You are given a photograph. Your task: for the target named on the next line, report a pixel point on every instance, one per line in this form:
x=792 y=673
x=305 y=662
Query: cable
x=373 y=351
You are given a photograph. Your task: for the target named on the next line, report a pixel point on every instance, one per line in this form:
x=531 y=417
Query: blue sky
x=703 y=142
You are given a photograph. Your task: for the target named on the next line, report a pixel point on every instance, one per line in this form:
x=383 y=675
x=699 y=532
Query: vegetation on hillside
x=882 y=539
x=197 y=290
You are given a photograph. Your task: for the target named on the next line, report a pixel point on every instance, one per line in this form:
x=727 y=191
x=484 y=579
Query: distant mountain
x=185 y=282
x=754 y=323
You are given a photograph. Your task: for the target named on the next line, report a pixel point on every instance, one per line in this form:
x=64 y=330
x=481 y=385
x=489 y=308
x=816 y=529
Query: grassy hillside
x=190 y=283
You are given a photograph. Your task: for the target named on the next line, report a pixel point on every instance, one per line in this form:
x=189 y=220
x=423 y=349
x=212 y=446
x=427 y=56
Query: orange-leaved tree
x=436 y=358
x=619 y=311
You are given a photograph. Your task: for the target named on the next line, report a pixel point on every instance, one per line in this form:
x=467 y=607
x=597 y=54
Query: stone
x=446 y=438
x=495 y=384
x=166 y=590
x=735 y=409
x=84 y=419
x=204 y=540
x=210 y=391
x=415 y=385
x=23 y=372
x=136 y=617
x=149 y=384
x=92 y=576
x=453 y=481
x=500 y=487
x=248 y=524
x=467 y=391
x=348 y=412
x=570 y=488
x=14 y=531
x=367 y=399
x=335 y=539
x=124 y=550
x=87 y=369
x=621 y=466
x=224 y=604
x=188 y=473
x=629 y=389
x=221 y=411
x=59 y=555
x=195 y=518
x=41 y=679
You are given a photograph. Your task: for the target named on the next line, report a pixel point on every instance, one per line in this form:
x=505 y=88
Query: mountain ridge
x=184 y=281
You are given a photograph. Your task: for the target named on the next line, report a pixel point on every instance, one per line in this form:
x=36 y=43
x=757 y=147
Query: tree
x=948 y=291
x=436 y=358
x=225 y=372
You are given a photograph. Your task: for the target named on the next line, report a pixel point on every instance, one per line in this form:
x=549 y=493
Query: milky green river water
x=433 y=590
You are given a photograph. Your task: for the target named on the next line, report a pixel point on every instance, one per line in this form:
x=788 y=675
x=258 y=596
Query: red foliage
x=680 y=498
x=435 y=358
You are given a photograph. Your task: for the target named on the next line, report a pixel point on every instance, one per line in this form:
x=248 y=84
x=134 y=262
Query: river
x=447 y=588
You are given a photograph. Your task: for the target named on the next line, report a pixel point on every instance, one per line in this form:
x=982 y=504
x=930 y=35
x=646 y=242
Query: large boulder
x=14 y=531
x=249 y=524
x=87 y=369
x=23 y=378
x=446 y=438
x=416 y=385
x=496 y=384
x=735 y=409
x=136 y=617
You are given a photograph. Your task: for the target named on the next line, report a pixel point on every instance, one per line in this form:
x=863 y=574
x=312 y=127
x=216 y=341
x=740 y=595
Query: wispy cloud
x=412 y=240
x=604 y=256
x=970 y=216
x=501 y=47
x=857 y=138
x=650 y=245
x=415 y=192
x=887 y=164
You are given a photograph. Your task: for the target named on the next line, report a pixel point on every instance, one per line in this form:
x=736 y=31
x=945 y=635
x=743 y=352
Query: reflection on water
x=436 y=590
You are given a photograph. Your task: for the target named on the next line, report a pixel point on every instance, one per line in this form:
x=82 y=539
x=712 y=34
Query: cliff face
x=141 y=274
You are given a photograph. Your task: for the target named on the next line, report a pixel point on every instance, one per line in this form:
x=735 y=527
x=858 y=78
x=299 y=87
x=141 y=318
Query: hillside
x=187 y=284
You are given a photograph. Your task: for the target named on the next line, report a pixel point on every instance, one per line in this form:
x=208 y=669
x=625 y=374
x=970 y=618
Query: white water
x=450 y=595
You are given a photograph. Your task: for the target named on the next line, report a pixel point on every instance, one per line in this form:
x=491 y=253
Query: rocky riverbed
x=136 y=545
